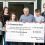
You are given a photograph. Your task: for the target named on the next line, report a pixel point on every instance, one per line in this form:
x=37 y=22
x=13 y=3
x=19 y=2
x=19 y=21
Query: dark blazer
x=43 y=14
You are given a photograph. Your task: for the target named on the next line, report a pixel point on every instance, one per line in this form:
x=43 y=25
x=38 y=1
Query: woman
x=13 y=18
x=5 y=15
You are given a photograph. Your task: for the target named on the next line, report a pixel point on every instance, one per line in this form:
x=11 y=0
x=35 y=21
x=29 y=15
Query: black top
x=4 y=19
x=43 y=14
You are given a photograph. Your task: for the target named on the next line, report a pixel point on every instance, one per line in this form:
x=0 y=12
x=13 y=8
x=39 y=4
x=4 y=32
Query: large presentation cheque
x=24 y=32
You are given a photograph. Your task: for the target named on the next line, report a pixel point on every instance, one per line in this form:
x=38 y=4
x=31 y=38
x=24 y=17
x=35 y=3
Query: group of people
x=25 y=17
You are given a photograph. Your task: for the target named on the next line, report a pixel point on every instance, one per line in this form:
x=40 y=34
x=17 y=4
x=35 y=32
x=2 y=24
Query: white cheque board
x=24 y=32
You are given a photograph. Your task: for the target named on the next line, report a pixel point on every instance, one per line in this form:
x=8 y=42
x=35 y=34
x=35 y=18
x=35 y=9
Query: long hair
x=4 y=10
x=16 y=19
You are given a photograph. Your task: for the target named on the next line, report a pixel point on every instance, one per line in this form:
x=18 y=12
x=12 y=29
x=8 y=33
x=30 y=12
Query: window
x=17 y=7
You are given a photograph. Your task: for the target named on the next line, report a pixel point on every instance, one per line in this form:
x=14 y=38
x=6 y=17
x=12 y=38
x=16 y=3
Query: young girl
x=13 y=18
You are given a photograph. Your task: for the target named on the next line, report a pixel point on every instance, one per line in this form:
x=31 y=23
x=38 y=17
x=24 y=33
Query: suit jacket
x=43 y=14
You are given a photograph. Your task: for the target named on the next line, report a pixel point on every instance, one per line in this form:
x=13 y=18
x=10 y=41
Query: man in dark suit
x=43 y=14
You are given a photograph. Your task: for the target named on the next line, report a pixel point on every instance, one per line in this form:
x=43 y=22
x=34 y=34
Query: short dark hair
x=37 y=10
